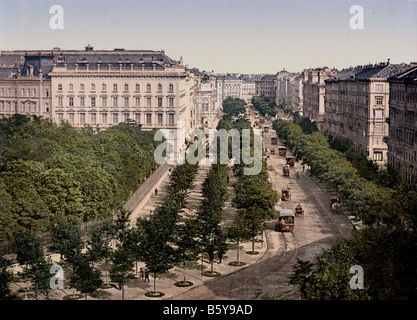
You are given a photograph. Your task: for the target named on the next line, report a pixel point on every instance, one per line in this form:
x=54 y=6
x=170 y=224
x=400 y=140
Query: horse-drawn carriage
x=335 y=204
x=286 y=170
x=285 y=220
x=290 y=160
x=274 y=140
x=282 y=150
x=286 y=194
x=299 y=210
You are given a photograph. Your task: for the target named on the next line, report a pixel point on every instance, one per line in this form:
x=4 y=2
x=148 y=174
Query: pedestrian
x=156 y=192
x=141 y=273
x=303 y=168
x=146 y=275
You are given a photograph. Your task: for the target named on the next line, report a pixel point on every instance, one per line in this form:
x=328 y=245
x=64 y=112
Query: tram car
x=290 y=160
x=285 y=220
x=282 y=150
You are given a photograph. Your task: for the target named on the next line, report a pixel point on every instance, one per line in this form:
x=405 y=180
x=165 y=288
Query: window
x=29 y=92
x=159 y=102
x=115 y=118
x=60 y=102
x=148 y=102
x=34 y=92
x=379 y=88
x=93 y=87
x=23 y=107
x=159 y=87
x=103 y=87
x=171 y=102
x=23 y=93
x=160 y=118
x=2 y=92
x=60 y=117
x=149 y=118
x=2 y=105
x=9 y=94
x=126 y=87
x=126 y=117
x=82 y=101
x=104 y=118
x=81 y=87
x=137 y=88
x=171 y=119
x=47 y=92
x=46 y=107
x=82 y=118
x=59 y=87
x=137 y=102
x=93 y=101
x=378 y=156
x=171 y=88
x=104 y=101
x=71 y=101
x=34 y=107
x=71 y=118
x=115 y=102
x=71 y=87
x=379 y=114
x=137 y=117
x=115 y=87
x=148 y=88
x=9 y=106
x=126 y=101
x=379 y=100
x=379 y=127
x=93 y=118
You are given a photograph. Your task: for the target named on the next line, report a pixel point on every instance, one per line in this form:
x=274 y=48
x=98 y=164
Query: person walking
x=142 y=274
x=146 y=275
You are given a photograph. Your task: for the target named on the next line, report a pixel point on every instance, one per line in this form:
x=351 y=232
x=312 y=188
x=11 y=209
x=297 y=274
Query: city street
x=268 y=277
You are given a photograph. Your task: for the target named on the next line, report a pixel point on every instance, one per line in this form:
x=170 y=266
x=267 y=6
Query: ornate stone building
x=313 y=93
x=402 y=138
x=267 y=86
x=356 y=105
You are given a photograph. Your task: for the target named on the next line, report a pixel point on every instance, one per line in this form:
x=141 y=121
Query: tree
x=233 y=106
x=6 y=277
x=122 y=264
x=85 y=278
x=301 y=275
x=100 y=245
x=238 y=231
x=66 y=240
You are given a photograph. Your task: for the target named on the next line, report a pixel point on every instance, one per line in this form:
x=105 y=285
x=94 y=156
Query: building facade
x=266 y=86
x=357 y=103
x=313 y=94
x=206 y=96
x=402 y=138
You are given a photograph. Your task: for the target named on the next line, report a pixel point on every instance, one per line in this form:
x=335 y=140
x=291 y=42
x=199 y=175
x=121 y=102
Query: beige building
x=357 y=103
x=266 y=86
x=206 y=96
x=402 y=138
x=25 y=85
x=313 y=94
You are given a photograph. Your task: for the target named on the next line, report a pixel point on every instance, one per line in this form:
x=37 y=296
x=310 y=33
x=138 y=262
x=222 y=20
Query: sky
x=235 y=36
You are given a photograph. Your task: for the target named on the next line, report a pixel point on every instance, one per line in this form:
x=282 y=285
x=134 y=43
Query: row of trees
x=233 y=106
x=385 y=247
x=49 y=171
x=264 y=105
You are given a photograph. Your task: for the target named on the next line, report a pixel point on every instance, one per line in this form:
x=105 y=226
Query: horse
x=335 y=207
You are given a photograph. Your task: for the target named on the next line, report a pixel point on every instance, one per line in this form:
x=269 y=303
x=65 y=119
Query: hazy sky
x=246 y=36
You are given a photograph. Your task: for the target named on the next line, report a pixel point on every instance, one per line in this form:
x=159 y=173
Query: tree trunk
x=238 y=242
x=253 y=244
x=154 y=282
x=184 y=270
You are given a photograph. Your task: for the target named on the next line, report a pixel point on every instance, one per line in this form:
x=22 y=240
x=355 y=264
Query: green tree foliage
x=264 y=106
x=6 y=277
x=233 y=106
x=85 y=278
x=49 y=171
